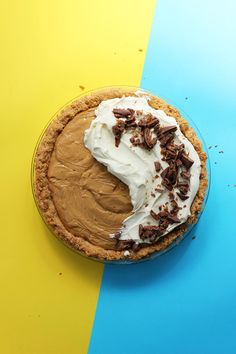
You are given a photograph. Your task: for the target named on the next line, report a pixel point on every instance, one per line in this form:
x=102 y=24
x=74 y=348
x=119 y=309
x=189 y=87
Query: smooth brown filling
x=90 y=201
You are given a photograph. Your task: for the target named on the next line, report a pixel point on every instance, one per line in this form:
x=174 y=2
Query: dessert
x=119 y=174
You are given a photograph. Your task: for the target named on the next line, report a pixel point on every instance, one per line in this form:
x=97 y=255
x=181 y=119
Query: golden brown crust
x=43 y=195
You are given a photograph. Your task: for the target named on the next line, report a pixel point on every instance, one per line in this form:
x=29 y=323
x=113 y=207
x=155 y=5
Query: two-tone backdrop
x=52 y=301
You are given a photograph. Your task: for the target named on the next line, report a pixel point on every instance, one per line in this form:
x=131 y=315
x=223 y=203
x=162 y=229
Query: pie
x=119 y=175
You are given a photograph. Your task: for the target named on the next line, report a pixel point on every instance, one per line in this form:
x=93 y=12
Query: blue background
x=184 y=301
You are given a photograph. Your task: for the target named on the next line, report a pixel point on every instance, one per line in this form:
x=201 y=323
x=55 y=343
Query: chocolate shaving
x=166 y=183
x=184 y=190
x=179 y=163
x=159 y=190
x=173 y=218
x=123 y=113
x=154 y=215
x=187 y=162
x=135 y=141
x=149 y=121
x=169 y=129
x=118 y=130
x=175 y=207
x=163 y=214
x=166 y=139
x=148 y=139
x=164 y=172
x=171 y=196
x=136 y=247
x=150 y=232
x=185 y=174
x=182 y=196
x=124 y=244
x=157 y=166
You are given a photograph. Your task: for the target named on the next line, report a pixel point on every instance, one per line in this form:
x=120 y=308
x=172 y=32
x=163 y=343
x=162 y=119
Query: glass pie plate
x=191 y=123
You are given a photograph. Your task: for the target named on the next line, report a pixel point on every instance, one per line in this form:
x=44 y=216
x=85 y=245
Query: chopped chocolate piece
x=164 y=223
x=117 y=130
x=182 y=196
x=175 y=207
x=149 y=121
x=173 y=218
x=135 y=247
x=154 y=215
x=163 y=214
x=187 y=162
x=183 y=184
x=171 y=147
x=150 y=232
x=159 y=190
x=149 y=140
x=185 y=174
x=171 y=196
x=157 y=166
x=169 y=129
x=183 y=189
x=166 y=139
x=124 y=244
x=164 y=172
x=140 y=229
x=123 y=113
x=135 y=141
x=170 y=155
x=167 y=184
x=172 y=174
x=179 y=163
x=153 y=195
x=129 y=124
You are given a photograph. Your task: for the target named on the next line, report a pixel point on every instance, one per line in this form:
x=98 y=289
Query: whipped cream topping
x=135 y=167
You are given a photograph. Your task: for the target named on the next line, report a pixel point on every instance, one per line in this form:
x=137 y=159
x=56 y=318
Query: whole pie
x=119 y=174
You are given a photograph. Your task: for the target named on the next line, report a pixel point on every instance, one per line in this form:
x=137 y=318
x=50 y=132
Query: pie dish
x=119 y=175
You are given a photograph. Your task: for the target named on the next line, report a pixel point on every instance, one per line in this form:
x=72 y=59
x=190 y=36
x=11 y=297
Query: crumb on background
x=140 y=50
x=81 y=87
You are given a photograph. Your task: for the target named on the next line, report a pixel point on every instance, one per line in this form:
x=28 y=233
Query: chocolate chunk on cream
x=158 y=138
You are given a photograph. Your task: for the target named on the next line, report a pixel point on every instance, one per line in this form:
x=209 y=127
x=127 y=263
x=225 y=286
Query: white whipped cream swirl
x=135 y=166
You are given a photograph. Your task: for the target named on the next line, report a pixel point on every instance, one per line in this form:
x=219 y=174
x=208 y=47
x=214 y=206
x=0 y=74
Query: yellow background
x=48 y=50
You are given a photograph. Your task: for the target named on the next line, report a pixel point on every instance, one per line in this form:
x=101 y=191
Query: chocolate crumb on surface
x=82 y=87
x=193 y=237
x=221 y=152
x=210 y=147
x=60 y=273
